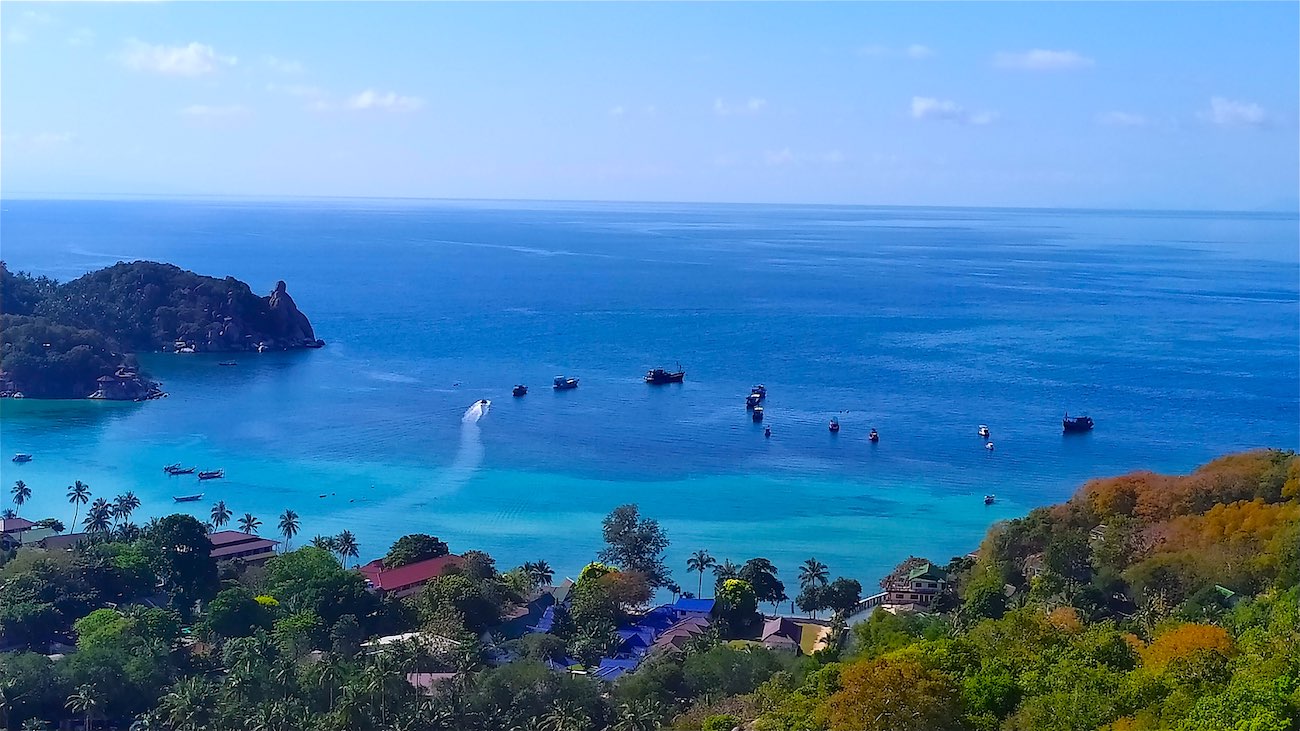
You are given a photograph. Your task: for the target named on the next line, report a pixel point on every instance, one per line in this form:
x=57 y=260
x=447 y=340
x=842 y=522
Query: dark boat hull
x=1079 y=425
x=659 y=378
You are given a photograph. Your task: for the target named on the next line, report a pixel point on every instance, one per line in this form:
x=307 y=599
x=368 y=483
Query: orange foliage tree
x=893 y=695
x=1184 y=641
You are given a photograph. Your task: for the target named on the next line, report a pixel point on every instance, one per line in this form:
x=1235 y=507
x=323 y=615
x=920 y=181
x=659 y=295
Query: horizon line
x=52 y=197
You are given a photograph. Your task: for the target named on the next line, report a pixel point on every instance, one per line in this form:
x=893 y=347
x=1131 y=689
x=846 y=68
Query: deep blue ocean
x=1179 y=333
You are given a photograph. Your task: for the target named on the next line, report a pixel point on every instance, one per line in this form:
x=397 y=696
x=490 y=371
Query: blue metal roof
x=695 y=606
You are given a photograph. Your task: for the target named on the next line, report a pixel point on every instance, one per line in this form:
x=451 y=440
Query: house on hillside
x=782 y=634
x=407 y=580
x=228 y=545
x=15 y=532
x=920 y=587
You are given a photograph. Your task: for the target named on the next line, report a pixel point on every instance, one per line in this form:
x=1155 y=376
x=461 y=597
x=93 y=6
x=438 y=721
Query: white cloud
x=371 y=99
x=918 y=51
x=219 y=111
x=617 y=111
x=283 y=65
x=1232 y=113
x=1122 y=119
x=38 y=142
x=194 y=59
x=17 y=35
x=51 y=139
x=81 y=37
x=779 y=157
x=1040 y=59
x=925 y=107
x=723 y=108
x=834 y=157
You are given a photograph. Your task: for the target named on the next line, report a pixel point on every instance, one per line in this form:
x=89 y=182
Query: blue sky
x=1164 y=105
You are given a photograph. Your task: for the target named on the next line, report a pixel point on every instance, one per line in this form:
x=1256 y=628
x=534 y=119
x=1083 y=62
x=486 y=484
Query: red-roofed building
x=15 y=525
x=404 y=581
x=232 y=544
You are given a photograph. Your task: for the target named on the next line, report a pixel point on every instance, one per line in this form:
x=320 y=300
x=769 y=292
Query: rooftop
x=227 y=537
x=701 y=606
x=261 y=545
x=412 y=573
x=14 y=525
x=929 y=572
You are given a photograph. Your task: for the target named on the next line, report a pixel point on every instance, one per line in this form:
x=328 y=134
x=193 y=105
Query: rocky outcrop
x=287 y=318
x=127 y=385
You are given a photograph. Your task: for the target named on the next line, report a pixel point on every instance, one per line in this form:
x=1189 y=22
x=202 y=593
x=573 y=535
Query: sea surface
x=1178 y=333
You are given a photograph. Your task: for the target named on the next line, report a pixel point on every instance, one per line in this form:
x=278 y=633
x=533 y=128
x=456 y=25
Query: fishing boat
x=835 y=425
x=984 y=431
x=227 y=363
x=519 y=390
x=760 y=391
x=564 y=383
x=767 y=432
x=753 y=400
x=988 y=499
x=873 y=436
x=22 y=457
x=212 y=475
x=1077 y=424
x=659 y=376
x=188 y=498
x=176 y=469
x=988 y=446
x=758 y=413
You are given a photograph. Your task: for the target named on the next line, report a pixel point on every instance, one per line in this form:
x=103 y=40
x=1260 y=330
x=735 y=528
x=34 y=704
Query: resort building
x=228 y=545
x=407 y=580
x=15 y=532
x=920 y=587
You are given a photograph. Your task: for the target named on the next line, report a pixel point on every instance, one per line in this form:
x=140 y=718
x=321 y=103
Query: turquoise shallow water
x=1177 y=332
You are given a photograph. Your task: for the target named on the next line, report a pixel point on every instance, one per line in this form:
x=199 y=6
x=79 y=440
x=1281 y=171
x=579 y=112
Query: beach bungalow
x=11 y=530
x=407 y=580
x=782 y=634
x=677 y=637
x=228 y=545
x=920 y=587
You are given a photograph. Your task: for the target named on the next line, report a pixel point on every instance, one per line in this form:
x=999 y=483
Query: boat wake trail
x=469 y=457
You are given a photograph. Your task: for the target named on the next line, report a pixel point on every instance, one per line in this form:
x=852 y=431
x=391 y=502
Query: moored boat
x=227 y=363
x=984 y=431
x=873 y=436
x=767 y=432
x=212 y=475
x=757 y=413
x=188 y=498
x=22 y=457
x=988 y=499
x=760 y=391
x=753 y=400
x=659 y=376
x=835 y=425
x=988 y=446
x=519 y=390
x=176 y=469
x=564 y=383
x=1076 y=424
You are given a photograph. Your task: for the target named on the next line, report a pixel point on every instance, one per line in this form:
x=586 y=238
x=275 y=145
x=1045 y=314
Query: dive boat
x=835 y=425
x=1077 y=424
x=659 y=376
x=22 y=457
x=873 y=436
x=753 y=400
x=188 y=498
x=176 y=469
x=758 y=413
x=212 y=475
x=564 y=383
x=984 y=431
x=760 y=391
x=988 y=499
x=519 y=390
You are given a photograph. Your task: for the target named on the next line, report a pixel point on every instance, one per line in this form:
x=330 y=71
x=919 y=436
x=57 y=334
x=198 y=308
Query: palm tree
x=249 y=524
x=186 y=707
x=813 y=572
x=700 y=561
x=347 y=546
x=566 y=716
x=78 y=495
x=21 y=493
x=540 y=572
x=85 y=699
x=725 y=570
x=220 y=514
x=8 y=514
x=324 y=543
x=99 y=518
x=288 y=527
x=124 y=505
